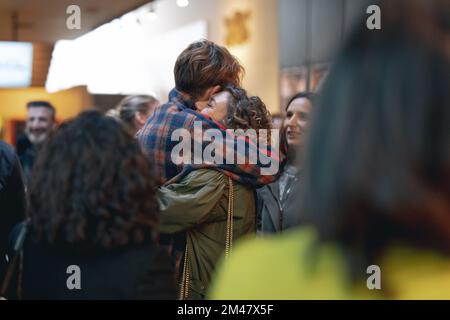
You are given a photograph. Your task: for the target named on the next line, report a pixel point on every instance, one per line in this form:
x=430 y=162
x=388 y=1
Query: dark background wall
x=312 y=30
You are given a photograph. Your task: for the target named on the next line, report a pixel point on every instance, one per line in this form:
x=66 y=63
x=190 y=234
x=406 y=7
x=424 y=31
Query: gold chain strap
x=184 y=290
x=184 y=287
x=229 y=239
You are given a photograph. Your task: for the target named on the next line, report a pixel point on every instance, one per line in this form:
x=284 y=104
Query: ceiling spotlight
x=182 y=3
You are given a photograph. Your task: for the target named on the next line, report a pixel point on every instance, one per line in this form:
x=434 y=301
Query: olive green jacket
x=198 y=204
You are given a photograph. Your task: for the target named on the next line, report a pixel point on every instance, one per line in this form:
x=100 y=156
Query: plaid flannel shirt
x=155 y=140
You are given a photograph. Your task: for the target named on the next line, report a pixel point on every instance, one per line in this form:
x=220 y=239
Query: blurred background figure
x=277 y=205
x=377 y=176
x=12 y=198
x=113 y=113
x=40 y=123
x=92 y=204
x=135 y=110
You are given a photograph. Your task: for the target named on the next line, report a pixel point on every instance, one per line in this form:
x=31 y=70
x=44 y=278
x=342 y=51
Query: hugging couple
x=204 y=207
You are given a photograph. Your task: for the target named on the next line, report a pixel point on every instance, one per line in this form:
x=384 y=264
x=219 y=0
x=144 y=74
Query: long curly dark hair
x=246 y=112
x=93 y=187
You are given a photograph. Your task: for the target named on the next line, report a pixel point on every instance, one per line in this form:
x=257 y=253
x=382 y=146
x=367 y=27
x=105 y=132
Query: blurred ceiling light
x=182 y=3
x=115 y=60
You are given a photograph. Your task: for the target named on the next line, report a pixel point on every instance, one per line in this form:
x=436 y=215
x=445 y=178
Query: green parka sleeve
x=191 y=201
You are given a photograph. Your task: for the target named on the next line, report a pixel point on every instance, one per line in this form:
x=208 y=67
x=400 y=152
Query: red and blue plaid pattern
x=178 y=112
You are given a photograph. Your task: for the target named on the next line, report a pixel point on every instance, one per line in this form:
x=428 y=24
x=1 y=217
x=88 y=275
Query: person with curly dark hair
x=207 y=206
x=234 y=110
x=92 y=206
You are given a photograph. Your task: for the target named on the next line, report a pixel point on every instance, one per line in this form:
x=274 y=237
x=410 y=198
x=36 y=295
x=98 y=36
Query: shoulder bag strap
x=184 y=287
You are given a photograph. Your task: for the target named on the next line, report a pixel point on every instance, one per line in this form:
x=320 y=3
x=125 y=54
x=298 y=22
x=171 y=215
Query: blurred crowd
x=363 y=181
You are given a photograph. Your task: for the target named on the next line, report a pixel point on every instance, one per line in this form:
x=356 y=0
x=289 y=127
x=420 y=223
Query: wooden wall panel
x=42 y=53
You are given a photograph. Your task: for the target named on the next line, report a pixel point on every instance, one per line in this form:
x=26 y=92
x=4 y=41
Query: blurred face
x=39 y=124
x=217 y=107
x=203 y=101
x=297 y=121
x=142 y=117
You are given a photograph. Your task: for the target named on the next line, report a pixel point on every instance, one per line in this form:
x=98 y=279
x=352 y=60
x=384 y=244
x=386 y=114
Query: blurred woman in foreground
x=377 y=179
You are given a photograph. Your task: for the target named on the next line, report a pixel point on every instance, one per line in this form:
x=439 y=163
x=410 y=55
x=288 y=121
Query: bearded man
x=40 y=124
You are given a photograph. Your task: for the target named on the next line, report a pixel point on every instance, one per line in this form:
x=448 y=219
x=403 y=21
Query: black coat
x=273 y=214
x=144 y=272
x=27 y=153
x=12 y=198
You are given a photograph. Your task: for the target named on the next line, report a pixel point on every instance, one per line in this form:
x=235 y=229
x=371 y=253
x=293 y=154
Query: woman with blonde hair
x=135 y=110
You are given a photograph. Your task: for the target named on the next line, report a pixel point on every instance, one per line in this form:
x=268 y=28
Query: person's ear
x=211 y=91
x=201 y=102
x=215 y=89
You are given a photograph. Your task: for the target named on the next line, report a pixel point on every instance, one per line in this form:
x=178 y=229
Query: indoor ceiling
x=45 y=20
